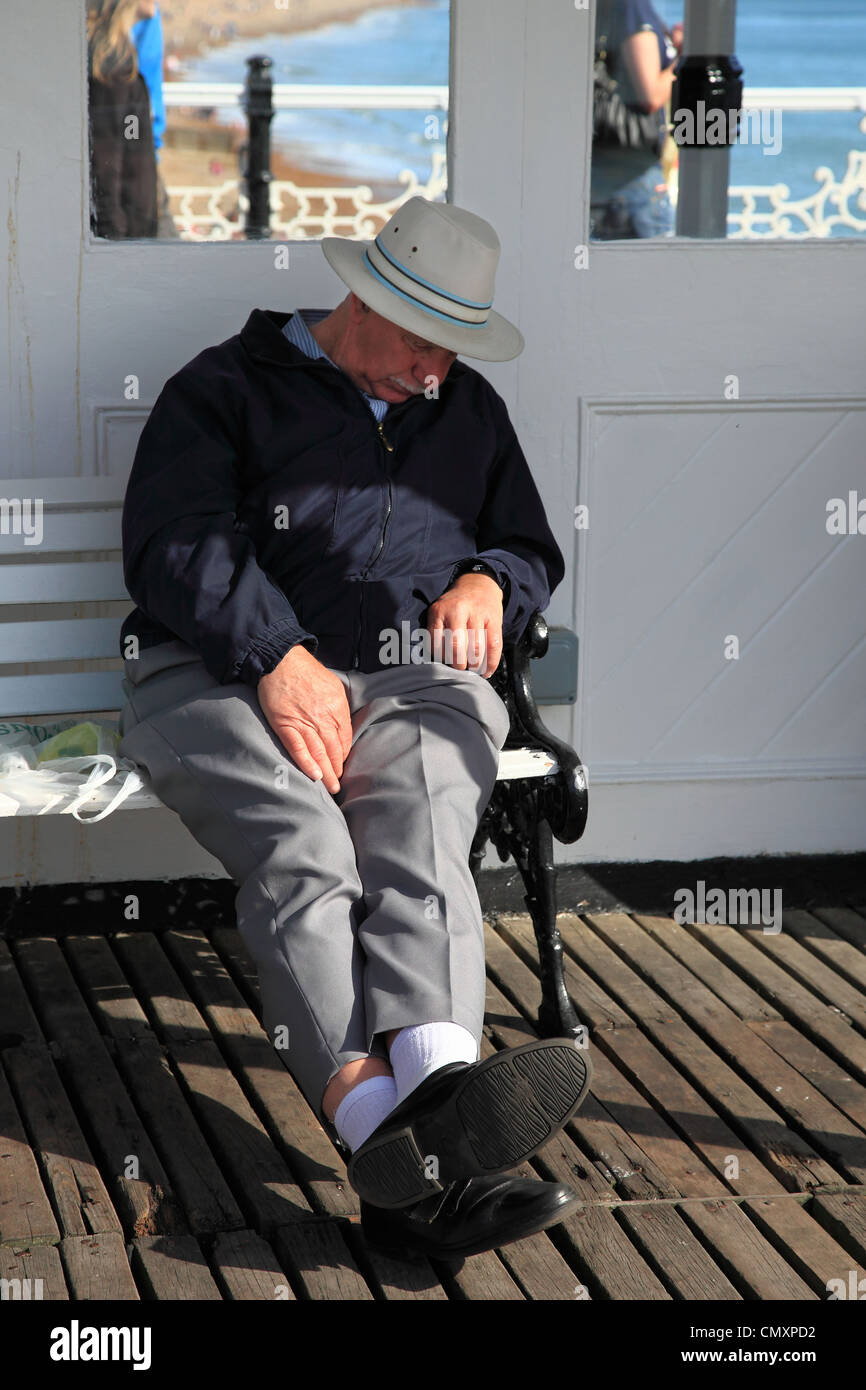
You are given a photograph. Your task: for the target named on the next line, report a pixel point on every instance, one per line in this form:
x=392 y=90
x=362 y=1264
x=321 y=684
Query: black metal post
x=259 y=107
x=708 y=84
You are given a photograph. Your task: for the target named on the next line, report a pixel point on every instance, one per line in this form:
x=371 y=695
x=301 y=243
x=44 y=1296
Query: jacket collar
x=263 y=338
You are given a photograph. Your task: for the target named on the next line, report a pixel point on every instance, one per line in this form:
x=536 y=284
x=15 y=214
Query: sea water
x=780 y=43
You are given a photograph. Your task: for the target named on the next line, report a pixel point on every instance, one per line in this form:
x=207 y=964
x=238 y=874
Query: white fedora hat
x=432 y=269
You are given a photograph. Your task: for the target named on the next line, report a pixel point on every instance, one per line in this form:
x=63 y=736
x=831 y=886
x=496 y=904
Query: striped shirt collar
x=298 y=332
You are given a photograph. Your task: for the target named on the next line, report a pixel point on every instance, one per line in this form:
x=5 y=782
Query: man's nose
x=429 y=364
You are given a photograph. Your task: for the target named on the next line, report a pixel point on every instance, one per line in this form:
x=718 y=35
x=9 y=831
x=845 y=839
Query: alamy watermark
x=715 y=126
x=417 y=646
x=22 y=516
x=737 y=907
x=21 y=1289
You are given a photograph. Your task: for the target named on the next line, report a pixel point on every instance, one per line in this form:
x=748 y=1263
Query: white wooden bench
x=62 y=602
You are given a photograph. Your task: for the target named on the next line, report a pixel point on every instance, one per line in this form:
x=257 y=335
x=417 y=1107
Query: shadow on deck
x=153 y=1145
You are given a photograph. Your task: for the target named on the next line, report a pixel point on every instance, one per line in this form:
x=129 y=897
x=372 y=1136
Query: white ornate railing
x=298 y=212
x=305 y=96
x=214 y=212
x=769 y=210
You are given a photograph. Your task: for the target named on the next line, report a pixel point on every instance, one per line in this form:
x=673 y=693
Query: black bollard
x=259 y=107
x=705 y=110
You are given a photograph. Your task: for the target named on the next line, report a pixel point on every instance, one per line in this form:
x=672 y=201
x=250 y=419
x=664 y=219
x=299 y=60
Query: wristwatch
x=477 y=567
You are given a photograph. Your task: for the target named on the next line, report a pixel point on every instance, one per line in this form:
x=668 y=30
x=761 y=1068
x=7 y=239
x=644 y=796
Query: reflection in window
x=171 y=147
x=636 y=56
x=798 y=166
x=123 y=178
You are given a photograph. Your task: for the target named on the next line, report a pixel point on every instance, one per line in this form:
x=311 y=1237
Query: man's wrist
x=475 y=567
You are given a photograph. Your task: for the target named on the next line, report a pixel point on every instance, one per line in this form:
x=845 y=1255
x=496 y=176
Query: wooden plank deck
x=154 y=1146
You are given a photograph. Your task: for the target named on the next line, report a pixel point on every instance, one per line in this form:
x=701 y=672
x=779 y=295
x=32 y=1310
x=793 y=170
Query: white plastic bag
x=32 y=784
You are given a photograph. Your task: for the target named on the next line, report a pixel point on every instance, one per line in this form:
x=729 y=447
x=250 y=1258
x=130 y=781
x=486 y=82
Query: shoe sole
x=517 y=1230
x=497 y=1116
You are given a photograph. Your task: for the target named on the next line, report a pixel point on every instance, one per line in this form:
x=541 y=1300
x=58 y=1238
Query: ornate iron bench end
x=524 y=815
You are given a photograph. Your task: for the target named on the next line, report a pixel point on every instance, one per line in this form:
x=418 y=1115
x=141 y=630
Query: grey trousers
x=358 y=908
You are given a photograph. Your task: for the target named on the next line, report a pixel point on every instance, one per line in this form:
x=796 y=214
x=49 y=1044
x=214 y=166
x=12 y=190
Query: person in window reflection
x=122 y=157
x=629 y=195
x=148 y=40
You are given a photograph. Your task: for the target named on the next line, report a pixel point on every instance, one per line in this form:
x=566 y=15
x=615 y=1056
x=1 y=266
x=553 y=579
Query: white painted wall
x=707 y=516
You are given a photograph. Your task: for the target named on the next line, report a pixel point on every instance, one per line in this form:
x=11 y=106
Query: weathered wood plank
x=777 y=1092
x=820 y=980
x=684 y=1079
x=620 y=1160
x=320 y=1262
x=37 y=1269
x=751 y=1261
x=97 y=1268
x=760 y=1269
x=845 y=923
x=195 y=1176
x=80 y=1198
x=247 y=1269
x=747 y=1003
x=172 y=1267
x=843 y=1215
x=795 y=1003
x=26 y=1217
x=19 y=1022
x=814 y=931
x=603 y=1248
x=608 y=1263
x=756 y=1268
x=634 y=1104
x=257 y=1173
x=725 y=1228
x=262 y=1182
x=803 y=1241
x=845 y=1092
x=671 y=1249
x=394 y=1279
x=539 y=1269
x=145 y=1200
x=172 y=1014
x=617 y=1267
x=593 y=1002
x=479 y=1279
x=278 y=1100
x=229 y=945
x=685 y=1139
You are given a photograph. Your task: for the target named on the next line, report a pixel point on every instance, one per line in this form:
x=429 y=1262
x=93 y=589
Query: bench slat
x=67 y=639
x=62 y=531
x=70 y=491
x=62 y=583
x=21 y=697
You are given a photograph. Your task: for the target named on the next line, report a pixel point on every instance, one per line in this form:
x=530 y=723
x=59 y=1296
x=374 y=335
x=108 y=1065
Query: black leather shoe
x=470 y=1216
x=471 y=1119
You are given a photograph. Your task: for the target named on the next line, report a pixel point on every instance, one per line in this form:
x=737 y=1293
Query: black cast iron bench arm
x=524 y=815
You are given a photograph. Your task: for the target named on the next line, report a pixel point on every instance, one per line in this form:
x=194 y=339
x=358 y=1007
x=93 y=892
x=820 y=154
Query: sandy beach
x=190 y=27
x=197 y=148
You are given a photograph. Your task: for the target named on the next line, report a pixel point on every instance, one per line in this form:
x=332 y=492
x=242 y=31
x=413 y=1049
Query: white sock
x=364 y=1109
x=418 y=1051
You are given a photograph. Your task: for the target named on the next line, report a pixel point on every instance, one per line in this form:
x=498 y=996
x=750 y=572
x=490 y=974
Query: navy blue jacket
x=252 y=434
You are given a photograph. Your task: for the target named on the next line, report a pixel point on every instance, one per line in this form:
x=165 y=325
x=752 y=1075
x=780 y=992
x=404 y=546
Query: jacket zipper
x=389 y=449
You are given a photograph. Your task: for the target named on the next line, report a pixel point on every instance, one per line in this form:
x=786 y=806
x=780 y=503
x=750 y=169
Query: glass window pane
x=178 y=149
x=798 y=166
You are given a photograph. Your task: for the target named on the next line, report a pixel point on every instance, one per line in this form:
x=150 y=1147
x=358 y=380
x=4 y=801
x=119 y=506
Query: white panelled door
x=706 y=402
x=707 y=506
